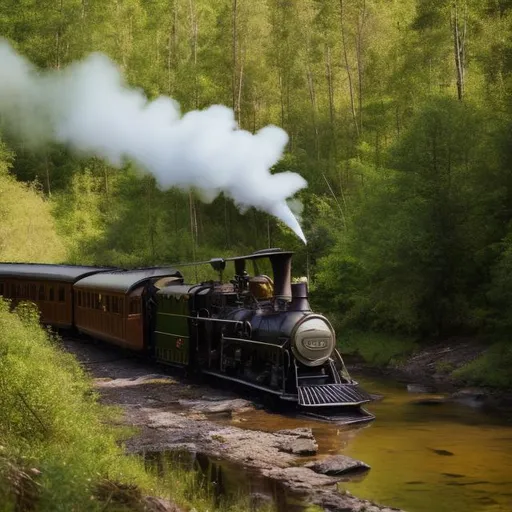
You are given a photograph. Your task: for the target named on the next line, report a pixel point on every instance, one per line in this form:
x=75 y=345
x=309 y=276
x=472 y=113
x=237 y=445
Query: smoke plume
x=88 y=107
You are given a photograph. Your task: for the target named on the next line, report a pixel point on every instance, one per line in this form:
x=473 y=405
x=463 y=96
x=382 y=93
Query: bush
x=491 y=369
x=378 y=349
x=51 y=427
x=27 y=228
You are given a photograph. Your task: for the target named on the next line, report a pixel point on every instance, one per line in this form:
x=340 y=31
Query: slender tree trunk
x=58 y=37
x=331 y=98
x=312 y=97
x=347 y=68
x=193 y=223
x=226 y=223
x=194 y=33
x=360 y=69
x=459 y=42
x=281 y=96
x=234 y=53
x=172 y=54
x=47 y=168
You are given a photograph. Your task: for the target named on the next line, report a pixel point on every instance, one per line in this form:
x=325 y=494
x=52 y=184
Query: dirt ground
x=170 y=412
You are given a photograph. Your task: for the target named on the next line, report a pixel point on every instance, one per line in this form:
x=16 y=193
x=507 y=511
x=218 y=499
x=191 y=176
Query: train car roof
x=48 y=272
x=125 y=281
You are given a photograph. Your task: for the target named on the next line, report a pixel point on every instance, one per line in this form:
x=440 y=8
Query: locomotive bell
x=313 y=340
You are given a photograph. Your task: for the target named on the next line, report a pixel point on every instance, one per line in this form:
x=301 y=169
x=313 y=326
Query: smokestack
x=299 y=298
x=282 y=268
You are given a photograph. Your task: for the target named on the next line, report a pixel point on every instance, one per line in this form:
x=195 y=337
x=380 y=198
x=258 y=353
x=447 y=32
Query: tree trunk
x=347 y=68
x=234 y=54
x=360 y=28
x=312 y=97
x=331 y=98
x=194 y=32
x=459 y=42
x=172 y=54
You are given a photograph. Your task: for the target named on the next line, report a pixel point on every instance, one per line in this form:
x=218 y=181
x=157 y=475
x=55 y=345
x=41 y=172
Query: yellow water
x=424 y=458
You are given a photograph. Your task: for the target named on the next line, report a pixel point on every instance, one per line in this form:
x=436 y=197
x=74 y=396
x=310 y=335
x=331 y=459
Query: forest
x=399 y=116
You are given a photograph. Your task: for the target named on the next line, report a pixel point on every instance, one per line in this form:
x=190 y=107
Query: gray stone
x=300 y=433
x=419 y=388
x=299 y=446
x=212 y=407
x=337 y=465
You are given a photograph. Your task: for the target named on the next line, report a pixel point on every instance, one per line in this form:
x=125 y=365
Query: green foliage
x=27 y=227
x=407 y=212
x=376 y=348
x=51 y=421
x=491 y=369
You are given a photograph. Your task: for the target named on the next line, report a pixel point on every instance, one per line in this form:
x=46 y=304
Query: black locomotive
x=254 y=330
x=259 y=332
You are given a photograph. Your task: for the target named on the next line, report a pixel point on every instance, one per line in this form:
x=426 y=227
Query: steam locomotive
x=257 y=331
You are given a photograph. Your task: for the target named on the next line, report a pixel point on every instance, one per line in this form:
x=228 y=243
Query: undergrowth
x=58 y=448
x=378 y=349
x=491 y=369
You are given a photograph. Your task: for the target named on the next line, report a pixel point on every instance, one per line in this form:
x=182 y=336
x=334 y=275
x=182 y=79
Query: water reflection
x=424 y=458
x=224 y=482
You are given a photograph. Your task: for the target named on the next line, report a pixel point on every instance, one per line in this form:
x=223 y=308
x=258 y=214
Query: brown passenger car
x=50 y=287
x=110 y=306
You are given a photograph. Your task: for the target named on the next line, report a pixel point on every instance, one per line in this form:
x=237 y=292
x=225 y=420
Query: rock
x=154 y=378
x=299 y=446
x=299 y=478
x=420 y=388
x=431 y=400
x=473 y=397
x=152 y=504
x=337 y=465
x=345 y=502
x=259 y=500
x=300 y=433
x=215 y=407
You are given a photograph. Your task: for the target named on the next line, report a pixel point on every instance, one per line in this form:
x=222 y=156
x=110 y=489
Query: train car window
x=33 y=292
x=1 y=288
x=13 y=291
x=62 y=294
x=106 y=304
x=51 y=293
x=134 y=307
x=115 y=305
x=41 y=292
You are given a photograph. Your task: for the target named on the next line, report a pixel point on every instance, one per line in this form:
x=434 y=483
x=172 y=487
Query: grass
x=492 y=369
x=59 y=450
x=377 y=349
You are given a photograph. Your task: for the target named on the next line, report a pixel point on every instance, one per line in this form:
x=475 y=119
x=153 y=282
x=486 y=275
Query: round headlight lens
x=313 y=340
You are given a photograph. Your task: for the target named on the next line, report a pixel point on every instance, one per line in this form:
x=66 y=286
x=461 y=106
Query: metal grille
x=332 y=394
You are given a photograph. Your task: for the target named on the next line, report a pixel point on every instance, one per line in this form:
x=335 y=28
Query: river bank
x=448 y=368
x=170 y=414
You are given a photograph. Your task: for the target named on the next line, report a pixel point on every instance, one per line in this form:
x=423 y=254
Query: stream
x=443 y=457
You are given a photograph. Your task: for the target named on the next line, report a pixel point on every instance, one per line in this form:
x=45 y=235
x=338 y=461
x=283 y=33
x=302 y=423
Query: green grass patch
x=491 y=369
x=59 y=449
x=378 y=349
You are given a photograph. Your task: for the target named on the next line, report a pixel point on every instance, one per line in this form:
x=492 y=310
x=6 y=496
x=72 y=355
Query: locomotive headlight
x=313 y=340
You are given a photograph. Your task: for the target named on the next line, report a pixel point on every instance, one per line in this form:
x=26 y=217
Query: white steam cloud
x=89 y=107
